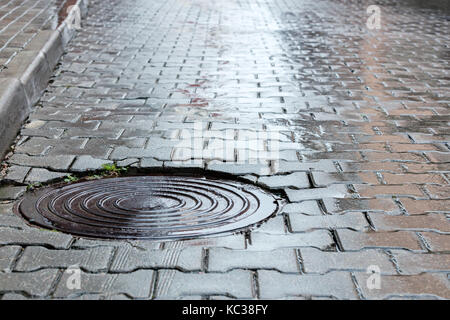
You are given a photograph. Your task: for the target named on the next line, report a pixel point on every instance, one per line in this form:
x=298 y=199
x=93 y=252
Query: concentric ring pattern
x=148 y=207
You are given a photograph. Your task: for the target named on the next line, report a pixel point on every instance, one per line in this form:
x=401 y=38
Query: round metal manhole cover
x=148 y=207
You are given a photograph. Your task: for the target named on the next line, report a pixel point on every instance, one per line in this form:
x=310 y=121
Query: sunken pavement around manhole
x=361 y=118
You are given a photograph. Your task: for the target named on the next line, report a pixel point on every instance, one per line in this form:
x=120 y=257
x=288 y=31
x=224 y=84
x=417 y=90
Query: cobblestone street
x=362 y=127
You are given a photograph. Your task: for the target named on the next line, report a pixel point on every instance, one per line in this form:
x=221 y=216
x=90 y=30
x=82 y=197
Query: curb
x=27 y=76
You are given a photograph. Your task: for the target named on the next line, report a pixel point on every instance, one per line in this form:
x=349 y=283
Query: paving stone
x=223 y=260
x=239 y=169
x=351 y=220
x=274 y=285
x=43 y=175
x=437 y=242
x=121 y=153
x=320 y=165
x=82 y=243
x=237 y=284
x=7 y=256
x=128 y=259
x=136 y=284
x=11 y=220
x=389 y=191
x=439 y=192
x=94 y=260
x=97 y=297
x=236 y=241
x=13 y=296
x=434 y=285
x=11 y=193
x=128 y=162
x=354 y=240
x=147 y=163
x=310 y=208
x=416 y=263
x=425 y=178
x=88 y=163
x=25 y=236
x=184 y=164
x=323 y=179
x=274 y=225
x=318 y=239
x=339 y=206
x=17 y=173
x=6 y=208
x=335 y=191
x=36 y=283
x=317 y=261
x=438 y=156
x=26 y=22
x=430 y=222
x=297 y=180
x=413 y=206
x=56 y=163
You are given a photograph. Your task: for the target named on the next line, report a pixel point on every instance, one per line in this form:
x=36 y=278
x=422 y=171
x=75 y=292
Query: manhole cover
x=148 y=207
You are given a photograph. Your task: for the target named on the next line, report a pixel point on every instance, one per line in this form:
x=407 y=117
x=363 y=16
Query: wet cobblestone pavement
x=362 y=145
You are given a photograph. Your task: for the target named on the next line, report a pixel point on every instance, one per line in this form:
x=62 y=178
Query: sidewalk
x=20 y=22
x=364 y=149
x=33 y=35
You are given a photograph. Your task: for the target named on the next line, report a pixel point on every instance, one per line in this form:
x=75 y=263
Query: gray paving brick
x=121 y=153
x=296 y=180
x=240 y=169
x=136 y=284
x=33 y=236
x=319 y=239
x=223 y=260
x=323 y=179
x=321 y=165
x=236 y=241
x=42 y=175
x=7 y=256
x=47 y=162
x=354 y=240
x=88 y=163
x=274 y=225
x=275 y=285
x=82 y=243
x=11 y=193
x=97 y=297
x=17 y=173
x=128 y=259
x=36 y=283
x=237 y=284
x=351 y=220
x=148 y=163
x=418 y=286
x=94 y=260
x=310 y=208
x=339 y=206
x=6 y=208
x=11 y=220
x=317 y=261
x=334 y=191
x=436 y=242
x=13 y=296
x=429 y=222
